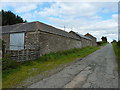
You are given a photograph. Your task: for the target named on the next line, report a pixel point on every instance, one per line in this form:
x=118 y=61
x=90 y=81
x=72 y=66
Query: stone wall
x=53 y=43
x=86 y=42
x=46 y=42
x=31 y=50
x=23 y=55
x=32 y=40
x=93 y=39
x=43 y=43
x=6 y=39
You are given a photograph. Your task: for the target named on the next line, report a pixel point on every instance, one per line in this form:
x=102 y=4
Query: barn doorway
x=17 y=41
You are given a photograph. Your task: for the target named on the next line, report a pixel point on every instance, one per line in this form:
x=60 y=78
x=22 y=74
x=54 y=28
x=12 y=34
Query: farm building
x=93 y=39
x=28 y=41
x=85 y=41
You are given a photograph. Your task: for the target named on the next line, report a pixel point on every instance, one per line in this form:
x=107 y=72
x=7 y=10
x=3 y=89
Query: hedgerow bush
x=99 y=43
x=7 y=63
x=118 y=43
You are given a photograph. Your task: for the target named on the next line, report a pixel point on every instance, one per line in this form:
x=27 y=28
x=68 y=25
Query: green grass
x=13 y=77
x=103 y=44
x=117 y=52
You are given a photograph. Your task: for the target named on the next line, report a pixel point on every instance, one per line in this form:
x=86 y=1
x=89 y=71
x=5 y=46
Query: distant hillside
x=9 y=18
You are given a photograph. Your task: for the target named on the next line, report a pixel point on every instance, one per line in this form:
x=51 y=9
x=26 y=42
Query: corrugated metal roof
x=32 y=26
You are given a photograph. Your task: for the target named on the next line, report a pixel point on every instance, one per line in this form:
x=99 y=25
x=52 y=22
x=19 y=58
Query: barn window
x=17 y=41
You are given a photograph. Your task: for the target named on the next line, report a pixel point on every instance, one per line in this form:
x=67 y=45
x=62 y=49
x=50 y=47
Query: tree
x=114 y=41
x=9 y=18
x=104 y=39
x=118 y=43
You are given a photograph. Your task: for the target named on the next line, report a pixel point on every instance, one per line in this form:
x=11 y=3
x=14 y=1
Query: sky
x=97 y=18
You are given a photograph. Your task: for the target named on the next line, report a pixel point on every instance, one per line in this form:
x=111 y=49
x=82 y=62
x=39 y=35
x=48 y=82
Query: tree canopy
x=9 y=18
x=104 y=39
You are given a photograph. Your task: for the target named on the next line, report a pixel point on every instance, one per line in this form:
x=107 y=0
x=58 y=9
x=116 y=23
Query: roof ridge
x=21 y=23
x=89 y=34
x=50 y=26
x=37 y=23
x=83 y=36
x=13 y=24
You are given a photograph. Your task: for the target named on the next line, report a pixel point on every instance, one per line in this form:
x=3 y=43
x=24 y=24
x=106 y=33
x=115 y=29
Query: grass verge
x=13 y=77
x=117 y=52
x=103 y=44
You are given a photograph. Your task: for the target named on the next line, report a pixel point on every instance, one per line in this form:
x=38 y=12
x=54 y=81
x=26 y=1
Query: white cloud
x=69 y=9
x=84 y=18
x=115 y=17
x=96 y=28
x=27 y=8
x=74 y=9
x=20 y=7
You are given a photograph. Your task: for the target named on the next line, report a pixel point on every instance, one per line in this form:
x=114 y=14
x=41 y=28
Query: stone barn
x=93 y=39
x=28 y=41
x=84 y=40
